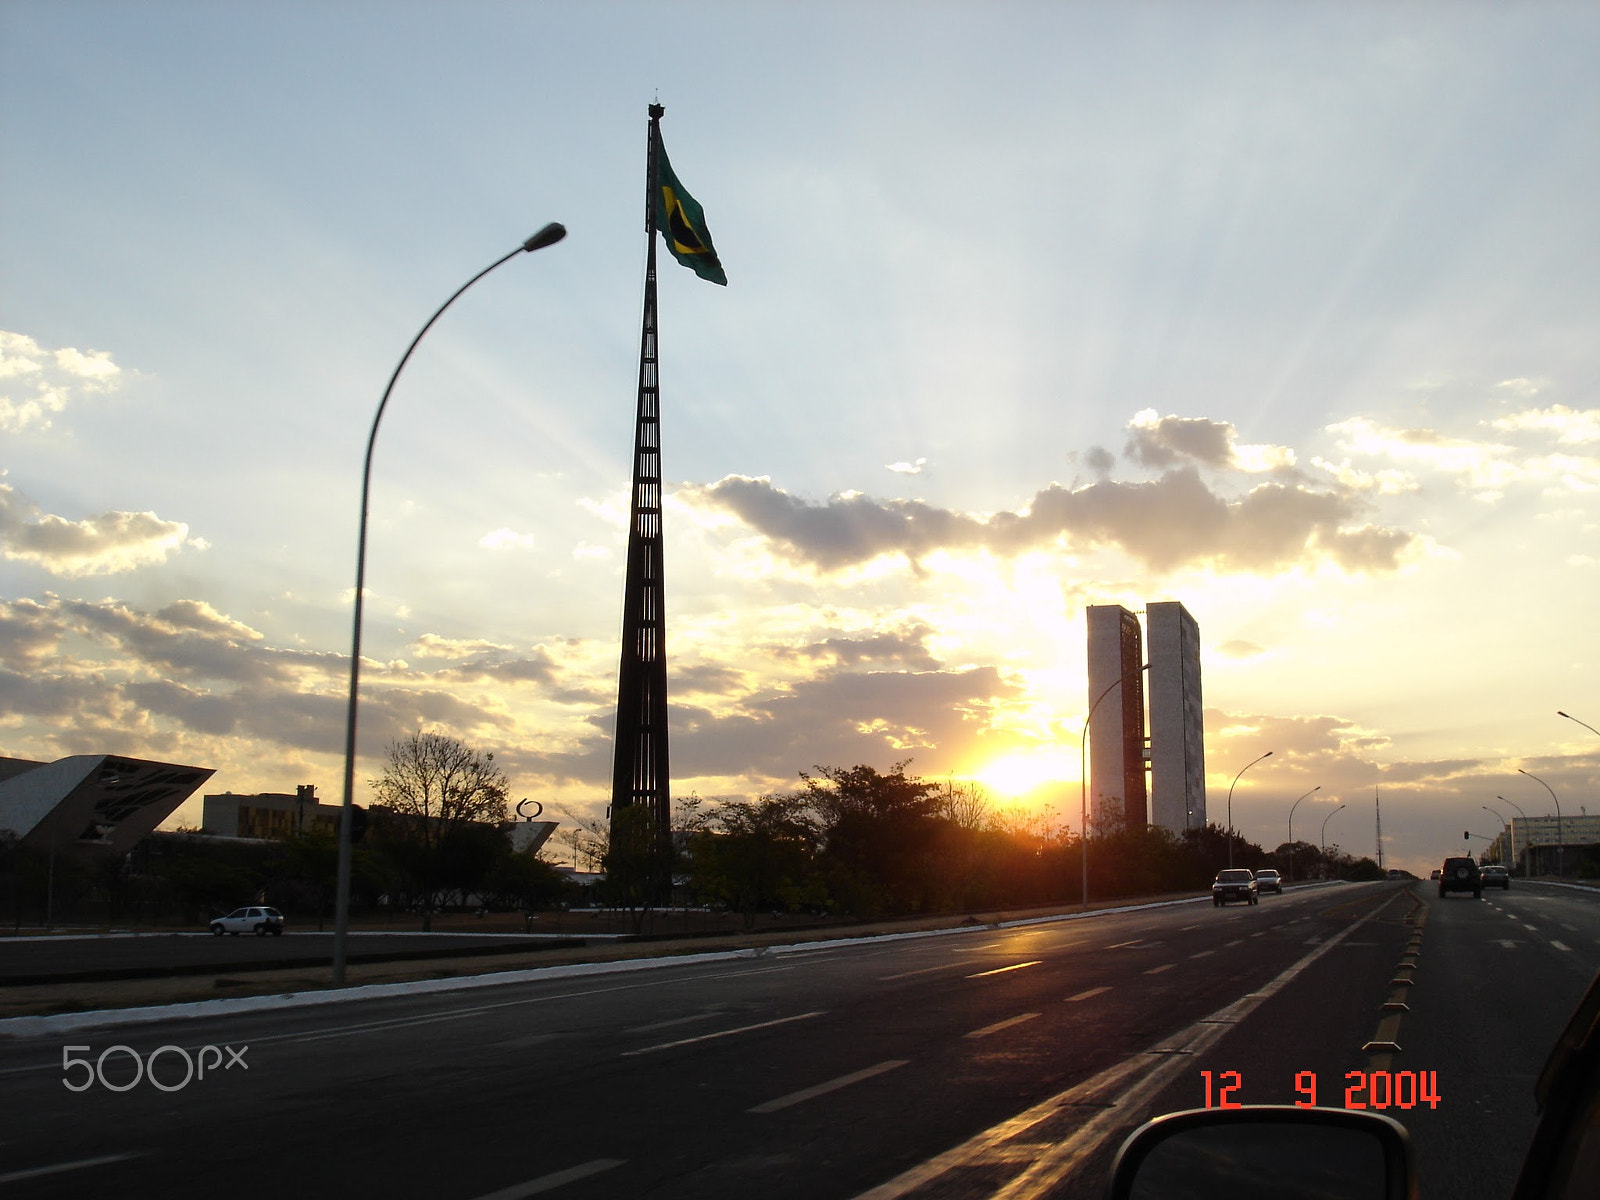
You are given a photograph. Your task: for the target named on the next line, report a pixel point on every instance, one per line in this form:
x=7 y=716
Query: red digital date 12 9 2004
x=1363 y=1089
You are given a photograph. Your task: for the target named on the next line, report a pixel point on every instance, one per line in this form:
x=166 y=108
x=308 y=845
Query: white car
x=257 y=920
x=1269 y=881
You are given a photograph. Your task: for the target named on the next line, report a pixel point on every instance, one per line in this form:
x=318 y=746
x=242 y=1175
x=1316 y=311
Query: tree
x=437 y=788
x=877 y=836
x=756 y=855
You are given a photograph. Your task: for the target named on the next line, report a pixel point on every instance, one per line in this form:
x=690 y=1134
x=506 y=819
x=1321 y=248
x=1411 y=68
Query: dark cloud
x=907 y=646
x=1167 y=523
x=1165 y=441
x=1099 y=460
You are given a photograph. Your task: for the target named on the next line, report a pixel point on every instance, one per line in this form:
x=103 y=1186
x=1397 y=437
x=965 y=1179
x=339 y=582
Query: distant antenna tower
x=1378 y=811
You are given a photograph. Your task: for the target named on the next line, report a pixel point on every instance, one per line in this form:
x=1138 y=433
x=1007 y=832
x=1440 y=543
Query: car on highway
x=1495 y=876
x=1234 y=883
x=255 y=919
x=1269 y=881
x=1435 y=875
x=1460 y=875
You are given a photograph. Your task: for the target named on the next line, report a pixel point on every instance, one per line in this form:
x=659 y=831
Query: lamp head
x=548 y=236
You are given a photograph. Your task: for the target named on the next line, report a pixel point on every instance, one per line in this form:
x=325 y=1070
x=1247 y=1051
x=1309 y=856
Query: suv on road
x=1234 y=883
x=1460 y=875
x=257 y=920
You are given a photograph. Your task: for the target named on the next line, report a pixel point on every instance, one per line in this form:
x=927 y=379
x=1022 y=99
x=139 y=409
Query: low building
x=272 y=816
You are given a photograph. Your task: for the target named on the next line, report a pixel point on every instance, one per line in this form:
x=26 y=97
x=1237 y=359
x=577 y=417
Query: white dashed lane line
x=1092 y=992
x=707 y=1037
x=1003 y=970
x=832 y=1085
x=999 y=1025
x=548 y=1183
x=1161 y=968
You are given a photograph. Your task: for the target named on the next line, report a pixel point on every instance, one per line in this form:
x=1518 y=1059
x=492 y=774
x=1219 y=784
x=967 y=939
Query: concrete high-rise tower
x=1116 y=729
x=1177 y=730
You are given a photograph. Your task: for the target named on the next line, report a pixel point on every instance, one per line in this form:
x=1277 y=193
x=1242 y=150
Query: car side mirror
x=1265 y=1152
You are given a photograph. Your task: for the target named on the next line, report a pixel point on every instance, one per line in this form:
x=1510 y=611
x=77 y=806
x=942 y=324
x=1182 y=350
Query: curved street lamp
x=1503 y=821
x=1574 y=719
x=1083 y=777
x=548 y=236
x=1292 y=807
x=1515 y=861
x=1561 y=825
x=1323 y=843
x=1242 y=770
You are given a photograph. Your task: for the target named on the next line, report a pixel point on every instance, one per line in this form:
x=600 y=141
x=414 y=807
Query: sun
x=1018 y=774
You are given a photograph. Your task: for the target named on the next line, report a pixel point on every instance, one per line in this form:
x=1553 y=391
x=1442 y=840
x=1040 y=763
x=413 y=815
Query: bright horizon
x=1284 y=313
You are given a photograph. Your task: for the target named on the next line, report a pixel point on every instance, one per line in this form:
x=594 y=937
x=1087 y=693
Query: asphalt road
x=59 y=959
x=954 y=1065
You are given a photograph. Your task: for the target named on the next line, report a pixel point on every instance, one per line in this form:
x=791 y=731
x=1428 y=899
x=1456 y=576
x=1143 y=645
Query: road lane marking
x=555 y=1179
x=1095 y=991
x=999 y=1025
x=833 y=1085
x=1202 y=954
x=1261 y=933
x=1559 y=945
x=1186 y=928
x=924 y=971
x=1003 y=970
x=1507 y=943
x=1138 y=1078
x=1120 y=945
x=58 y=1168
x=707 y=1037
x=1235 y=942
x=705 y=1016
x=1161 y=968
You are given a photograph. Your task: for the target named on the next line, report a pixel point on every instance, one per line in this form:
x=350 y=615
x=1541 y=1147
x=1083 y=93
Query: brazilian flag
x=682 y=223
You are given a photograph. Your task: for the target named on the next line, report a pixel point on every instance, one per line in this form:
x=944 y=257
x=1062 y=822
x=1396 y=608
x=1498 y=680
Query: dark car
x=1460 y=875
x=1235 y=883
x=1495 y=876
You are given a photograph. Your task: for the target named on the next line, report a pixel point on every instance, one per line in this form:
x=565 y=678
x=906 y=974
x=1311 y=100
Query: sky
x=1286 y=312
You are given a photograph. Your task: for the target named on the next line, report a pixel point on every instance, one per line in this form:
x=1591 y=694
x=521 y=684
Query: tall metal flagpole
x=640 y=768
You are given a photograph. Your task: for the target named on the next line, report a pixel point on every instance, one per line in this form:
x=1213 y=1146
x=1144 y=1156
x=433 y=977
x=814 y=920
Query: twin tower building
x=1137 y=777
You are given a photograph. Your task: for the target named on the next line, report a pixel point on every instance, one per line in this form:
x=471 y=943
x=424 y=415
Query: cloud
x=1167 y=441
x=108 y=544
x=1487 y=468
x=1569 y=427
x=1239 y=648
x=906 y=468
x=1167 y=523
x=506 y=539
x=36 y=383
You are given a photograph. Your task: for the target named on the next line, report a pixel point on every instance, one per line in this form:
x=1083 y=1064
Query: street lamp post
x=548 y=236
x=1083 y=778
x=1515 y=861
x=1574 y=719
x=1323 y=844
x=1503 y=821
x=1242 y=770
x=1561 y=825
x=1292 y=807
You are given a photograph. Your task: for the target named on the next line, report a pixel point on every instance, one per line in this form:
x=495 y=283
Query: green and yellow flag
x=682 y=223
